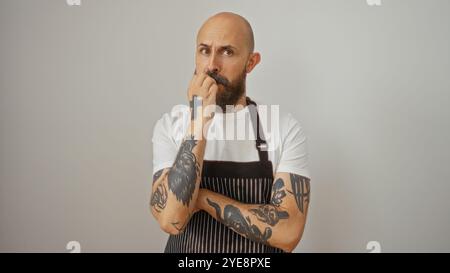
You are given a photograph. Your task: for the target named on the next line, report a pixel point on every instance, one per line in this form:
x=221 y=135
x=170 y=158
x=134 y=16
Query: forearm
x=264 y=223
x=175 y=192
x=180 y=183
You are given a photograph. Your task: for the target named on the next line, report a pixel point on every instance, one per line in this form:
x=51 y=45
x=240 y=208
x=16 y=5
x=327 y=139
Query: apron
x=246 y=182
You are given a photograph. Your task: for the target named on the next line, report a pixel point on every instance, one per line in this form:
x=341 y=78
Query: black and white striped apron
x=247 y=182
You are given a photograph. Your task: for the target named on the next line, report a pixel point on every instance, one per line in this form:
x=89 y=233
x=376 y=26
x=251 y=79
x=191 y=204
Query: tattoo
x=233 y=218
x=301 y=190
x=176 y=224
x=157 y=175
x=159 y=198
x=277 y=192
x=269 y=214
x=183 y=175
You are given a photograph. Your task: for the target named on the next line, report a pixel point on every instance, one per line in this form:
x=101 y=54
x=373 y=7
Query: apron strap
x=261 y=144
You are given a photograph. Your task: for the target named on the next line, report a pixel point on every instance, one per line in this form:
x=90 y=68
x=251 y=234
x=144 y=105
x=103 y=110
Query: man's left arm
x=279 y=224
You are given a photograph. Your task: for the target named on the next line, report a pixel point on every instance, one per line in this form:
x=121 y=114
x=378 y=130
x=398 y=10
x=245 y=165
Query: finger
x=207 y=79
x=212 y=91
x=200 y=78
x=208 y=82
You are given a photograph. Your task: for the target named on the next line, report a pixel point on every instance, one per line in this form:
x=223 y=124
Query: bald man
x=229 y=195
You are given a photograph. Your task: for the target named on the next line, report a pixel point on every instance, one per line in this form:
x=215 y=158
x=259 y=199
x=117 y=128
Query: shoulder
x=291 y=125
x=282 y=123
x=172 y=124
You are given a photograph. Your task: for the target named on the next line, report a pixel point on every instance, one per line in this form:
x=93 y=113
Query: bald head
x=228 y=25
x=225 y=54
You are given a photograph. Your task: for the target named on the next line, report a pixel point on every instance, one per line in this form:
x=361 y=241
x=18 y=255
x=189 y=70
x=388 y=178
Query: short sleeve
x=294 y=154
x=164 y=146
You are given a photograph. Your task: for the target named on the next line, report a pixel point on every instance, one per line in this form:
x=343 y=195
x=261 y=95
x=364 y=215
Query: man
x=214 y=195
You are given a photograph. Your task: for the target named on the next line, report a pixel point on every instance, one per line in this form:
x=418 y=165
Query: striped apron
x=246 y=182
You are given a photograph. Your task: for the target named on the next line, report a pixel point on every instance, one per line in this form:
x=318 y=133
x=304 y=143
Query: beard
x=231 y=91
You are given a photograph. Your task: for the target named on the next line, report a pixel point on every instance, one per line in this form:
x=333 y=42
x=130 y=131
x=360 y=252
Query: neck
x=242 y=101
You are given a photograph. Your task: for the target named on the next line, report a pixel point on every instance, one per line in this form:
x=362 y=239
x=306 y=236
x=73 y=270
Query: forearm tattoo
x=183 y=174
x=233 y=218
x=271 y=213
x=301 y=190
x=159 y=198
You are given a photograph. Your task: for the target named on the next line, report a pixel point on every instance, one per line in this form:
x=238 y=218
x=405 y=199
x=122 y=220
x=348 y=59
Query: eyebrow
x=222 y=47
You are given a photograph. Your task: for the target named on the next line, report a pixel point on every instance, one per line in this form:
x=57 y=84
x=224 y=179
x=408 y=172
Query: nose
x=213 y=64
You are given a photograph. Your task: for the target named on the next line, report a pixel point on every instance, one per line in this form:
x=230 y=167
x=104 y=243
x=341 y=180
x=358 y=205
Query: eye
x=228 y=52
x=204 y=50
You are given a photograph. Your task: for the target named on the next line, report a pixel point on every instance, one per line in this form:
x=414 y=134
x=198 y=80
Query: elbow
x=291 y=244
x=292 y=239
x=168 y=227
x=164 y=222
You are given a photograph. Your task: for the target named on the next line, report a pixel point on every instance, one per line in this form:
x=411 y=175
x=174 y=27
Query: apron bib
x=246 y=182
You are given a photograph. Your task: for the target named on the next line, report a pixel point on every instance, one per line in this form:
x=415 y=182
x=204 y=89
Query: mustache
x=219 y=79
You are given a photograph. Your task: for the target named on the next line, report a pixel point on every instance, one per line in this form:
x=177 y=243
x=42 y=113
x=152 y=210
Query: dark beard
x=232 y=91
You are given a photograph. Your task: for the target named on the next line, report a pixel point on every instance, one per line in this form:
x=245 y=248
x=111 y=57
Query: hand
x=205 y=87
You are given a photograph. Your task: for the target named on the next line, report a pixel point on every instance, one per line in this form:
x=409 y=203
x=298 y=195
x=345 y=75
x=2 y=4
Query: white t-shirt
x=231 y=138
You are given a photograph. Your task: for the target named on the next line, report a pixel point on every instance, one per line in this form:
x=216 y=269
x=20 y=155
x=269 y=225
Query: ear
x=254 y=59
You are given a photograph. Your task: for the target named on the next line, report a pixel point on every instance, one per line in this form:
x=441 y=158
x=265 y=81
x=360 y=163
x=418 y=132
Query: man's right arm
x=175 y=189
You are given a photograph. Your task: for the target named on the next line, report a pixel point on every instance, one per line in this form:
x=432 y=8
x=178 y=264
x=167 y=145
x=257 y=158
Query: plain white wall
x=82 y=86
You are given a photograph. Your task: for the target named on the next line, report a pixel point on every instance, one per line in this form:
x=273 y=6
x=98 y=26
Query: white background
x=82 y=86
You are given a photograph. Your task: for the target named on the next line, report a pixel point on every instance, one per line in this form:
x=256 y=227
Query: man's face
x=223 y=54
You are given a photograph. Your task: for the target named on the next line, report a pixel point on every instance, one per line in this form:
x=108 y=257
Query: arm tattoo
x=157 y=175
x=301 y=190
x=233 y=218
x=183 y=175
x=270 y=213
x=159 y=198
x=277 y=192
